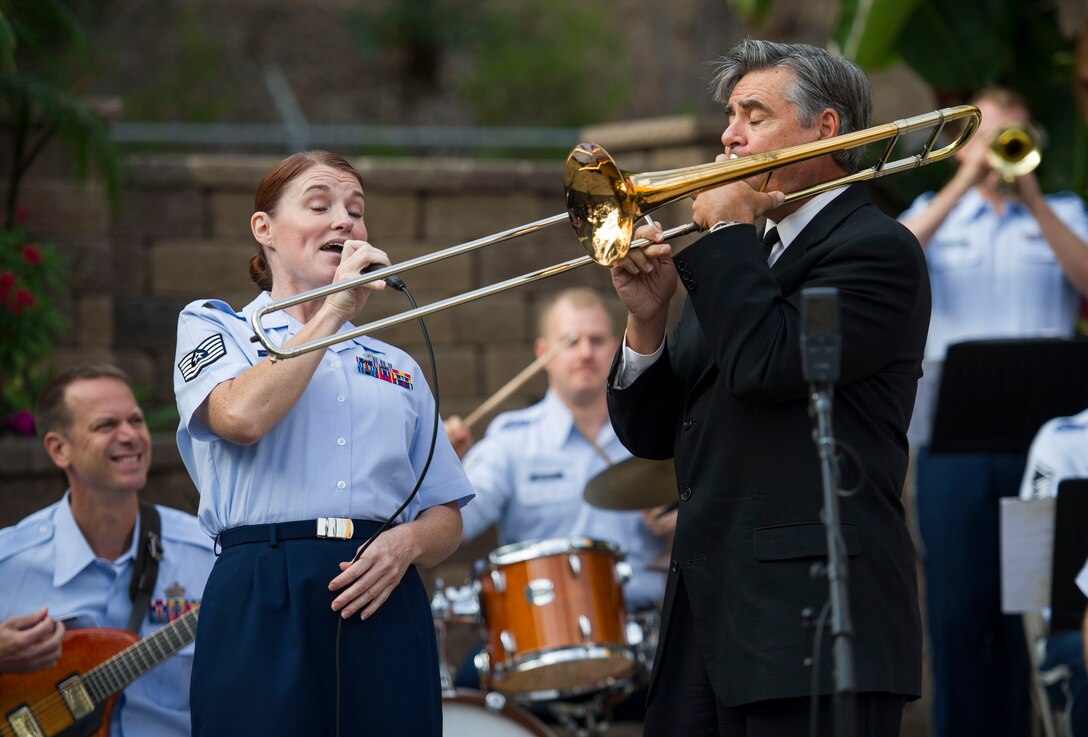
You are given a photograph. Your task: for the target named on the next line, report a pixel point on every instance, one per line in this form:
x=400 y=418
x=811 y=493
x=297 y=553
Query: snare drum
x=554 y=619
x=473 y=713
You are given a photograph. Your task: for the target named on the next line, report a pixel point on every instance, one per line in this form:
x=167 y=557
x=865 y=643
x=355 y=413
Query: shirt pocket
x=949 y=254
x=542 y=484
x=1033 y=249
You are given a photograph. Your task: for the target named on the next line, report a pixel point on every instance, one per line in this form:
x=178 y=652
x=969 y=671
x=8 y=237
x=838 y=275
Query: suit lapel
x=820 y=227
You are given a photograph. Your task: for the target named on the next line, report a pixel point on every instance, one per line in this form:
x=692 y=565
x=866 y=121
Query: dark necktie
x=769 y=239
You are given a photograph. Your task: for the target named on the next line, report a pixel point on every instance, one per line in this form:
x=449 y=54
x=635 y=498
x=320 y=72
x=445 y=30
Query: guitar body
x=82 y=651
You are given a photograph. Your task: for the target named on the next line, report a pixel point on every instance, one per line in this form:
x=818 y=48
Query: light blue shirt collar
x=72 y=552
x=557 y=424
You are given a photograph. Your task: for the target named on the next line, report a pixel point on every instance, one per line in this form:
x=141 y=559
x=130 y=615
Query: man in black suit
x=726 y=398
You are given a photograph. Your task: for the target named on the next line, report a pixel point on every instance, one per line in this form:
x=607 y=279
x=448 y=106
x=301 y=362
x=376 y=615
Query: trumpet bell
x=1014 y=151
x=601 y=211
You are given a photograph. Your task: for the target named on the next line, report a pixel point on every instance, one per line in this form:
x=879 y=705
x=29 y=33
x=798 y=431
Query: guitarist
x=76 y=558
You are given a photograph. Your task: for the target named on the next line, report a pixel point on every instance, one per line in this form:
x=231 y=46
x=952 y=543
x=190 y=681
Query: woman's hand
x=365 y=584
x=355 y=258
x=425 y=541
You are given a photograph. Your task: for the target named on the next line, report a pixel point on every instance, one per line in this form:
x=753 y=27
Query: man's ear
x=828 y=123
x=540 y=347
x=56 y=445
x=261 y=226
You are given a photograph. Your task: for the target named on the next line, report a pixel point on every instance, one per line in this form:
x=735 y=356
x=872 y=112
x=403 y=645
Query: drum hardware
x=575 y=564
x=498 y=580
x=585 y=627
x=541 y=591
x=509 y=644
x=624 y=571
x=604 y=204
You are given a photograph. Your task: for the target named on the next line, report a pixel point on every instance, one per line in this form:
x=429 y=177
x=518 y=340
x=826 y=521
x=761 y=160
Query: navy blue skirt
x=266 y=649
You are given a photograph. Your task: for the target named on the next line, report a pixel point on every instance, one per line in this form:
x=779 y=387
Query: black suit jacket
x=729 y=403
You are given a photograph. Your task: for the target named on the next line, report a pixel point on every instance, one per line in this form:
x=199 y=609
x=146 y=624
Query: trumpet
x=604 y=203
x=1014 y=151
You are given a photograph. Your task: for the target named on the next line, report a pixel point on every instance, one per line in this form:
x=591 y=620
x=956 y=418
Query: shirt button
x=674 y=567
x=340 y=398
x=341 y=485
x=685 y=493
x=340 y=441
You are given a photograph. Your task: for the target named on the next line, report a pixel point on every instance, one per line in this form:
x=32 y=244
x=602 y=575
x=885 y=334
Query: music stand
x=1067 y=602
x=994 y=395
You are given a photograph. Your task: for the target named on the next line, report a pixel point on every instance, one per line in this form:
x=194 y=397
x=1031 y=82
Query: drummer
x=531 y=468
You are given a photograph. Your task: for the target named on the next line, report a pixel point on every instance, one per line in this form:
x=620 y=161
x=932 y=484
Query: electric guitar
x=95 y=665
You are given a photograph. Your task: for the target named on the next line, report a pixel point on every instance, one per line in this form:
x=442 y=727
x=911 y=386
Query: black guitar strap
x=148 y=555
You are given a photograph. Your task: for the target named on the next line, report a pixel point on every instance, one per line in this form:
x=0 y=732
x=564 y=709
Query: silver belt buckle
x=337 y=527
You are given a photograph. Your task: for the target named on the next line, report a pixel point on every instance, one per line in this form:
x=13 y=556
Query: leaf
x=7 y=43
x=753 y=11
x=869 y=29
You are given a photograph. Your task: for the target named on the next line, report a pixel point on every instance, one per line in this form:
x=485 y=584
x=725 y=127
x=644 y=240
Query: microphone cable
x=396 y=283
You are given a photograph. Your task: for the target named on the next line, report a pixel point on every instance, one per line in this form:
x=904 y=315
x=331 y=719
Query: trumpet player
x=1005 y=261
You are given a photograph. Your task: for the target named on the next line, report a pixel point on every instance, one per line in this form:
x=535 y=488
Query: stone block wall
x=180 y=232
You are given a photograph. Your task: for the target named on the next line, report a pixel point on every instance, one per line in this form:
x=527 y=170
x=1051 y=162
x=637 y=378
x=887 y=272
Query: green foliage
x=547 y=62
x=32 y=277
x=533 y=62
x=868 y=29
x=753 y=11
x=39 y=42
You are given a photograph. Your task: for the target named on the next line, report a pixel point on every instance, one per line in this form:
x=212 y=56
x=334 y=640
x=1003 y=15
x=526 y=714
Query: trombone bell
x=601 y=212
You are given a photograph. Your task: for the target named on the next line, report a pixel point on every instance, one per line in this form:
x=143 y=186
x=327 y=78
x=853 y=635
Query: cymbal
x=636 y=483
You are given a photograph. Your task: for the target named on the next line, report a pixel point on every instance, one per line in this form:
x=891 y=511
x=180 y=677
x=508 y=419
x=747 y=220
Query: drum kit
x=558 y=640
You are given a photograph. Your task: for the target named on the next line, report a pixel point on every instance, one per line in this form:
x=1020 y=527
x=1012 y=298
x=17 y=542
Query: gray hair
x=820 y=81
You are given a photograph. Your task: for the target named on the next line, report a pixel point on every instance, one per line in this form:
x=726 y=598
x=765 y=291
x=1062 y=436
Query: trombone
x=604 y=203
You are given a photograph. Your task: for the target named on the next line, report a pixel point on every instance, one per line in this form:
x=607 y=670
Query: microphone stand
x=842 y=628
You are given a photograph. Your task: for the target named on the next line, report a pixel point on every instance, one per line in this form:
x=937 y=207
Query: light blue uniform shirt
x=993 y=276
x=1058 y=452
x=530 y=472
x=352 y=446
x=46 y=561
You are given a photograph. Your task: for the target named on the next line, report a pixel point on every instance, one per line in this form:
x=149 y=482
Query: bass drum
x=472 y=713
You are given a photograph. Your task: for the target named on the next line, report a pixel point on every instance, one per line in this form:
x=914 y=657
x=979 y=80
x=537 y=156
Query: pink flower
x=32 y=254
x=20 y=422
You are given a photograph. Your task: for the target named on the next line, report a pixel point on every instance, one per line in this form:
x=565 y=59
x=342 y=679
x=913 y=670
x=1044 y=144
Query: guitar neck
x=131 y=663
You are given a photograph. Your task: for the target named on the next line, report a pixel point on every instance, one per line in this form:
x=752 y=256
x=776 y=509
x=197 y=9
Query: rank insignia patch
x=368 y=365
x=210 y=350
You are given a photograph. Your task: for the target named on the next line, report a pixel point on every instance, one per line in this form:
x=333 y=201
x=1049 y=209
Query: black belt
x=330 y=528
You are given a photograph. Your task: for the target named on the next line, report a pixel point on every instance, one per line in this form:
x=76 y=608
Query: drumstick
x=526 y=373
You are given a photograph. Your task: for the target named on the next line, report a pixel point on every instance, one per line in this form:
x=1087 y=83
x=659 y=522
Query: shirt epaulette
x=221 y=306
x=1068 y=427
x=29 y=533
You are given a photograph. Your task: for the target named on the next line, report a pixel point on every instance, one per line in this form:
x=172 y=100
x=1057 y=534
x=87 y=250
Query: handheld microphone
x=821 y=334
x=392 y=280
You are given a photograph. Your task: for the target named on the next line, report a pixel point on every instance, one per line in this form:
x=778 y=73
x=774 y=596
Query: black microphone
x=392 y=280
x=821 y=334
